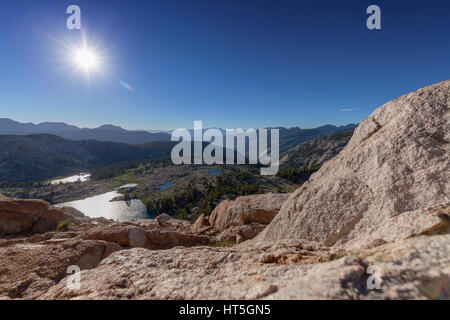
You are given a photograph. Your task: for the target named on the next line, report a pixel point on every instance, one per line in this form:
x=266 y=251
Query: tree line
x=194 y=201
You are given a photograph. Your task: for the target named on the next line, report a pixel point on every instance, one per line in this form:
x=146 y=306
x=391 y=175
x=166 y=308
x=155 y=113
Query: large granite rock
x=239 y=234
x=29 y=216
x=34 y=256
x=417 y=268
x=395 y=166
x=36 y=267
x=260 y=208
x=200 y=223
x=218 y=217
x=28 y=269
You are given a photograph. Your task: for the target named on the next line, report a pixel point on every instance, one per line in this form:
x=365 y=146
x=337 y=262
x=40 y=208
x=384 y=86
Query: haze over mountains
x=107 y=132
x=289 y=138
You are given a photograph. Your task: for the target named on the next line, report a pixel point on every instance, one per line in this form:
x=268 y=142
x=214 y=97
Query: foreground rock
x=201 y=223
x=27 y=270
x=239 y=234
x=133 y=236
x=295 y=270
x=395 y=166
x=35 y=256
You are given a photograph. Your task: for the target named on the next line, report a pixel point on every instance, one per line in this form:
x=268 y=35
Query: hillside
x=316 y=151
x=42 y=156
x=292 y=137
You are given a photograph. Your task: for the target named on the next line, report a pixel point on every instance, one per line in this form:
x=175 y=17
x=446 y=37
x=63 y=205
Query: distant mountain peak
x=110 y=127
x=289 y=137
x=107 y=133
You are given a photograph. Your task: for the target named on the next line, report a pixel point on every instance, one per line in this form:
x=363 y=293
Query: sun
x=80 y=55
x=86 y=58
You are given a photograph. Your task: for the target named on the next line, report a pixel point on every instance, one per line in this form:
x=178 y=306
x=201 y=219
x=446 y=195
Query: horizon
x=167 y=64
x=167 y=130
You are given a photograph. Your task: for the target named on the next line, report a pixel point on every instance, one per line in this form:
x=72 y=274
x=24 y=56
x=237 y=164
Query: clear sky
x=230 y=63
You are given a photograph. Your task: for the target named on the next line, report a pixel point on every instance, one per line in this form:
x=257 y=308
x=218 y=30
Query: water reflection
x=214 y=172
x=166 y=186
x=100 y=206
x=81 y=177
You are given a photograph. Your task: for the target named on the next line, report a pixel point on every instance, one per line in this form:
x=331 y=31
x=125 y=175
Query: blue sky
x=234 y=63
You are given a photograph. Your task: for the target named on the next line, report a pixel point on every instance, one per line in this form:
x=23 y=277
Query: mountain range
x=108 y=133
x=31 y=151
x=289 y=138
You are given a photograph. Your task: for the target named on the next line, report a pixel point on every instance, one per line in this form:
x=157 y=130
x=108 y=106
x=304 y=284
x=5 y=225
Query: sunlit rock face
x=38 y=242
x=395 y=166
x=282 y=270
x=28 y=216
x=260 y=208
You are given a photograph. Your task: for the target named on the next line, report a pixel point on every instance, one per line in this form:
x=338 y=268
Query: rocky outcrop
x=163 y=218
x=285 y=270
x=29 y=216
x=27 y=270
x=260 y=208
x=201 y=223
x=417 y=268
x=435 y=220
x=218 y=217
x=34 y=257
x=239 y=234
x=132 y=236
x=157 y=240
x=395 y=166
x=124 y=235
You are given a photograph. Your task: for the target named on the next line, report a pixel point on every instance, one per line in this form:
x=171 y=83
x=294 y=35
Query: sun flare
x=86 y=59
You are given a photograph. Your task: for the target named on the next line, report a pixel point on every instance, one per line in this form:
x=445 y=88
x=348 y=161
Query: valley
x=160 y=186
x=126 y=182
